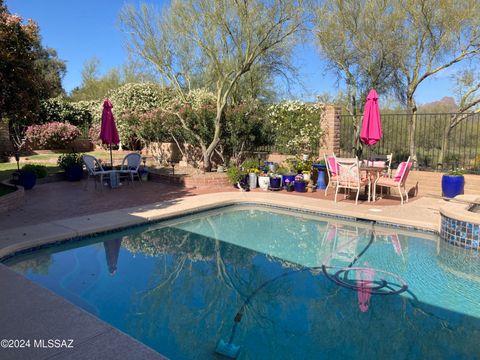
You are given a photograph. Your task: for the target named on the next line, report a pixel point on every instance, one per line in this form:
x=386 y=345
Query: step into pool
x=276 y=284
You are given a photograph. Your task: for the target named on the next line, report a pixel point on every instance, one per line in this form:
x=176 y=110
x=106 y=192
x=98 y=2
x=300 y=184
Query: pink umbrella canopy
x=371 y=131
x=109 y=133
x=365 y=281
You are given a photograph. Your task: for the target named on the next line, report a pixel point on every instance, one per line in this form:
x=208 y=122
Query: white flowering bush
x=132 y=100
x=297 y=126
x=58 y=109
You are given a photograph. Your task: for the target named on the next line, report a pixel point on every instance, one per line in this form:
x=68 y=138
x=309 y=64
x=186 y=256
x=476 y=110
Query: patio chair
x=130 y=166
x=397 y=181
x=95 y=169
x=349 y=178
x=332 y=170
x=385 y=160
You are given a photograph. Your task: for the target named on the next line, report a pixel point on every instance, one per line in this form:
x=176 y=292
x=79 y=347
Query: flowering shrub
x=297 y=126
x=132 y=100
x=54 y=135
x=60 y=110
x=94 y=134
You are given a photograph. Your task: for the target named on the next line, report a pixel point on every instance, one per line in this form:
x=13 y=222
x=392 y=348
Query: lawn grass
x=6 y=169
x=54 y=156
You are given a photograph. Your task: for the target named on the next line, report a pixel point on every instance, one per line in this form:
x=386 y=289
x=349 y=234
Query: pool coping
x=71 y=229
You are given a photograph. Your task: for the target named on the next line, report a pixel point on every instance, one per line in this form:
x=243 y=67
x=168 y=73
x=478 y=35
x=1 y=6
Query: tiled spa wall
x=460 y=233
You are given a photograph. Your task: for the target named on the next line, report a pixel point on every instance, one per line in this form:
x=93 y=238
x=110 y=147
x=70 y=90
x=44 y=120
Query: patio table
x=373 y=173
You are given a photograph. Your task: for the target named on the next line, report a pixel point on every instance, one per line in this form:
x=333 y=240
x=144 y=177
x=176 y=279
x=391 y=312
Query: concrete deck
x=31 y=312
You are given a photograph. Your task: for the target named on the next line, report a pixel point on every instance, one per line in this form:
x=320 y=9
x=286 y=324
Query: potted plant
x=252 y=177
x=289 y=185
x=453 y=183
x=275 y=181
x=25 y=178
x=72 y=165
x=234 y=175
x=300 y=184
x=321 y=168
x=264 y=181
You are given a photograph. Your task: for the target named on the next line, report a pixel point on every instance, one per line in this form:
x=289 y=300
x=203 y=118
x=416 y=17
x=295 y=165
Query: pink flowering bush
x=54 y=135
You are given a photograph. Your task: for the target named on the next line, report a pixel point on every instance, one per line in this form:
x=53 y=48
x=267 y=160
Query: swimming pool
x=178 y=285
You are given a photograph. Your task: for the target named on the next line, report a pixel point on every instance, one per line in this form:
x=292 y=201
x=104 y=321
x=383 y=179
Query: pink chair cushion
x=332 y=164
x=385 y=181
x=404 y=166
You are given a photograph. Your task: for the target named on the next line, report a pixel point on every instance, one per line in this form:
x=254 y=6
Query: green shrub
x=234 y=174
x=40 y=171
x=251 y=163
x=66 y=160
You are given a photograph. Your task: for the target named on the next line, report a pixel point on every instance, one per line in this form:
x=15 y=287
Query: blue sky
x=80 y=30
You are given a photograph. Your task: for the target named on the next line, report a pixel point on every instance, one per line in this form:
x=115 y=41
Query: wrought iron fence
x=443 y=141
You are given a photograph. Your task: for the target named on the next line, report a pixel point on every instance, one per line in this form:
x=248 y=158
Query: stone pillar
x=331 y=125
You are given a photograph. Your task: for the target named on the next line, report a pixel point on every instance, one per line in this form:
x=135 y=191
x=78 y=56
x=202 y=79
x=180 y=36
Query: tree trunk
x=445 y=144
x=207 y=153
x=412 y=125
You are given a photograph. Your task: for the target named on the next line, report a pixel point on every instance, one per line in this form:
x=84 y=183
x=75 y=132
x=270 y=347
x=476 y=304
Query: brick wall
x=12 y=201
x=331 y=142
x=431 y=183
x=212 y=180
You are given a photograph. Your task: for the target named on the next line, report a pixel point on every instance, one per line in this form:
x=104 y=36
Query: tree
x=359 y=41
x=96 y=87
x=435 y=36
x=28 y=72
x=215 y=43
x=468 y=89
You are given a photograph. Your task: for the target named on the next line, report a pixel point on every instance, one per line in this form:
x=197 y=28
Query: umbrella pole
x=111 y=157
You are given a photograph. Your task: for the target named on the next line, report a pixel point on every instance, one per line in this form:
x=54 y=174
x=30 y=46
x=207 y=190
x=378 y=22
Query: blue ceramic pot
x=290 y=178
x=74 y=173
x=452 y=185
x=321 y=176
x=300 y=186
x=275 y=183
x=27 y=179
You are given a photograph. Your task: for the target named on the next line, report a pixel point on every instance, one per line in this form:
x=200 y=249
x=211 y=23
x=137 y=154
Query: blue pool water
x=178 y=285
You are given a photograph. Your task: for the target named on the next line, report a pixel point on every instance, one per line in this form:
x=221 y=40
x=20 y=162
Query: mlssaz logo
x=53 y=343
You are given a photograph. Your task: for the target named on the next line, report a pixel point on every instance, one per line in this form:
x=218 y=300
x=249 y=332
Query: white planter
x=252 y=180
x=306 y=177
x=264 y=182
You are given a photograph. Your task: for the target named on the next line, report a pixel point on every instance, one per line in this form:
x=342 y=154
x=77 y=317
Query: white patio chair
x=387 y=161
x=349 y=177
x=95 y=169
x=130 y=166
x=332 y=170
x=397 y=181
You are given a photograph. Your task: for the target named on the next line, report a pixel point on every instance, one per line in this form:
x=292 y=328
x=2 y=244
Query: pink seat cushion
x=332 y=164
x=403 y=167
x=385 y=181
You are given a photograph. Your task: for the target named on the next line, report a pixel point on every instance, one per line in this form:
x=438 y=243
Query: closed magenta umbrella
x=371 y=131
x=109 y=133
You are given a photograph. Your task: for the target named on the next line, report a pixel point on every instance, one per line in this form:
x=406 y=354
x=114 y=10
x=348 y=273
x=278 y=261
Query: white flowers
x=297 y=125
